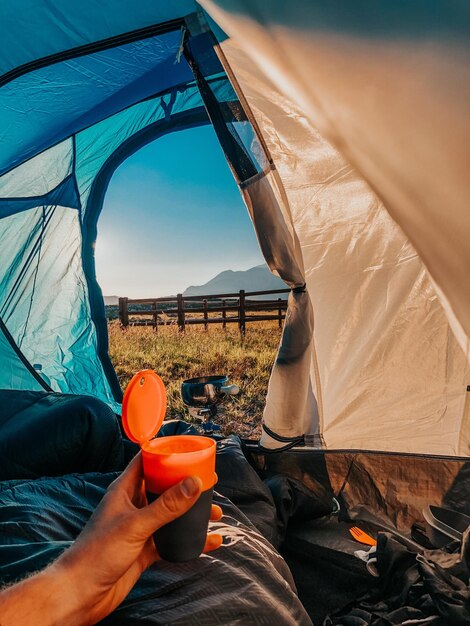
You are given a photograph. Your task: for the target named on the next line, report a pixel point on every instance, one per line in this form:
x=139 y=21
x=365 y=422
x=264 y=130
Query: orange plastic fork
x=362 y=537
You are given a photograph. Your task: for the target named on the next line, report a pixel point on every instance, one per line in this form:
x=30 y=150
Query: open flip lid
x=144 y=406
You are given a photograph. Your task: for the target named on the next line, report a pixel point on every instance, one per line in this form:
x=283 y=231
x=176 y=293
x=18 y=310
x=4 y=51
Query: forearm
x=44 y=599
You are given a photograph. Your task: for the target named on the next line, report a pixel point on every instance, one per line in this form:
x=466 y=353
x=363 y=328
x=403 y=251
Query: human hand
x=116 y=545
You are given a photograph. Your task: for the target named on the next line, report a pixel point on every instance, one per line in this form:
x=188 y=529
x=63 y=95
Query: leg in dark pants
x=52 y=434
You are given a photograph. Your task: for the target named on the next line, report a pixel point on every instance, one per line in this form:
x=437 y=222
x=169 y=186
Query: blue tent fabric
x=41 y=239
x=65 y=194
x=41 y=174
x=16 y=372
x=75 y=105
x=31 y=31
x=63 y=98
x=41 y=250
x=42 y=244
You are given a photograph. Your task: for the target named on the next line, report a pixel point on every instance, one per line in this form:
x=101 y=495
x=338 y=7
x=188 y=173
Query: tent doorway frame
x=178 y=122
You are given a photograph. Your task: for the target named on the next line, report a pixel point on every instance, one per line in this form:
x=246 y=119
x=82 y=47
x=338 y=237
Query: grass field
x=176 y=356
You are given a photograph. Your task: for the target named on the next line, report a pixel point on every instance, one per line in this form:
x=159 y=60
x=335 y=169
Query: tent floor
x=320 y=554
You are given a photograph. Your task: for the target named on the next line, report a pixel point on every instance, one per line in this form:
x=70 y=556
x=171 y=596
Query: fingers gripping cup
x=167 y=461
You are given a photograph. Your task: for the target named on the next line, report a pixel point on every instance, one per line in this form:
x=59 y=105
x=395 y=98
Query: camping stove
x=203 y=395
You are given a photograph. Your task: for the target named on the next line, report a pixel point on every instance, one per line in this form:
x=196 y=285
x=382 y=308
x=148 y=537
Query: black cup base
x=184 y=538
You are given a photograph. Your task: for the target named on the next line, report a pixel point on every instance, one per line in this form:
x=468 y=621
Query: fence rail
x=186 y=310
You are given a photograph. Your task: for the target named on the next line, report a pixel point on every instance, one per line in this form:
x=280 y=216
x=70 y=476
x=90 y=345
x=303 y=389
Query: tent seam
x=74 y=178
x=159 y=94
x=111 y=42
x=22 y=357
x=36 y=271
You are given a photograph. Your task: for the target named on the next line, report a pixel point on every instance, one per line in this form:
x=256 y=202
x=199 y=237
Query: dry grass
x=176 y=356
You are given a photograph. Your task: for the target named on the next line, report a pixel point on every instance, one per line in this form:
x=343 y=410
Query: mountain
x=257 y=278
x=111 y=300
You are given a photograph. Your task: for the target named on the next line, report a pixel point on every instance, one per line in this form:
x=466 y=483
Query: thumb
x=173 y=503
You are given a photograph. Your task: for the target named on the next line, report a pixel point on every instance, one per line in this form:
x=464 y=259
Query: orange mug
x=167 y=461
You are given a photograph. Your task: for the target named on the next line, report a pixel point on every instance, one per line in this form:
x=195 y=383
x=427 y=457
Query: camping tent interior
x=347 y=134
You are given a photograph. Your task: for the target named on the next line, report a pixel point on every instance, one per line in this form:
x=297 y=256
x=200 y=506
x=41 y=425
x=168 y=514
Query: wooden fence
x=231 y=308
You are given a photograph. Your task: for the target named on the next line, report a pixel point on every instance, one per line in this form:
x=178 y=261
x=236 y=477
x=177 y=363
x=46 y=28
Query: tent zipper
x=89 y=48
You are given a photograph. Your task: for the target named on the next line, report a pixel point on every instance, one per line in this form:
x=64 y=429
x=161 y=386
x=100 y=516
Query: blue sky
x=173 y=217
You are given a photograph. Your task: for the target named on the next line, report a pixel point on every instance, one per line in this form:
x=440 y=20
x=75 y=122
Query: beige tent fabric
x=389 y=373
x=291 y=407
x=389 y=85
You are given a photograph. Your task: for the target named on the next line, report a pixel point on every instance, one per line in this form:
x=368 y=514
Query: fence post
x=224 y=315
x=279 y=311
x=123 y=312
x=204 y=304
x=155 y=316
x=180 y=302
x=241 y=311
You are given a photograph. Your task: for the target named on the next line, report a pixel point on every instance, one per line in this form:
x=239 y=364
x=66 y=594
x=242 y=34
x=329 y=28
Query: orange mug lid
x=143 y=406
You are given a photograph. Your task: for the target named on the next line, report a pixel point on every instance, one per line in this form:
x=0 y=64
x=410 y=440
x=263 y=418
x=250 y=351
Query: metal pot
x=206 y=390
